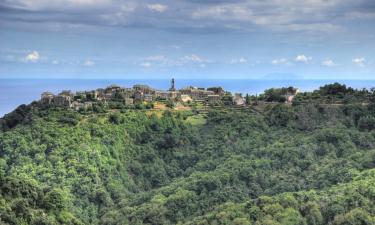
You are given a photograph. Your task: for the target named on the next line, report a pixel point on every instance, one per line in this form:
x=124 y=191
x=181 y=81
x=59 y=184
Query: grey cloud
x=193 y=15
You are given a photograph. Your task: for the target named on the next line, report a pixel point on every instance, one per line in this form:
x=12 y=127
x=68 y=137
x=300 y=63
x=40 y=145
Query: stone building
x=185 y=98
x=129 y=101
x=213 y=99
x=47 y=98
x=92 y=95
x=145 y=89
x=79 y=105
x=62 y=100
x=112 y=88
x=217 y=90
x=65 y=99
x=148 y=97
x=138 y=96
x=197 y=94
x=163 y=94
x=173 y=94
x=238 y=99
x=291 y=93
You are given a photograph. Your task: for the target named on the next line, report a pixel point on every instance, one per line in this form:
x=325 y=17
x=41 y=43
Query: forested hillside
x=300 y=164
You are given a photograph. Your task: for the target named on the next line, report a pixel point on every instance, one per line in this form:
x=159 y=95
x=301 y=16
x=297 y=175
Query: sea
x=14 y=92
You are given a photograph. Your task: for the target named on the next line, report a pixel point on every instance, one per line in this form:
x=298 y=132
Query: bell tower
x=173 y=88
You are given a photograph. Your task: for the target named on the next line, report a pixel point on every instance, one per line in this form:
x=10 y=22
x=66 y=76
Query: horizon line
x=144 y=78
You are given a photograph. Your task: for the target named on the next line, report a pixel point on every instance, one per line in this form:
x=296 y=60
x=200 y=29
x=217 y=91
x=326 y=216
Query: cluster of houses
x=139 y=94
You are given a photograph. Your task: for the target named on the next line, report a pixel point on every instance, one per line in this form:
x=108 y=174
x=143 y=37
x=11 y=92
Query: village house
x=112 y=88
x=145 y=89
x=47 y=98
x=197 y=94
x=92 y=95
x=148 y=97
x=100 y=96
x=142 y=93
x=238 y=99
x=138 y=96
x=185 y=98
x=64 y=98
x=79 y=105
x=217 y=90
x=173 y=95
x=129 y=101
x=164 y=95
x=289 y=96
x=213 y=99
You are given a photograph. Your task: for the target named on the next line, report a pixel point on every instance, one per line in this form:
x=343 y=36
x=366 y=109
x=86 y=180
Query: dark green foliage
x=170 y=104
x=70 y=118
x=306 y=164
x=366 y=123
x=335 y=94
x=115 y=118
x=335 y=89
x=281 y=115
x=227 y=99
x=277 y=94
x=24 y=202
x=18 y=116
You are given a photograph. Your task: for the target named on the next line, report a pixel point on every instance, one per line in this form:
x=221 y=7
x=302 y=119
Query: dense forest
x=307 y=163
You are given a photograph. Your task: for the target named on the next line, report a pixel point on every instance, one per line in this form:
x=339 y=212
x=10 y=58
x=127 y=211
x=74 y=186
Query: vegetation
x=276 y=94
x=301 y=164
x=335 y=94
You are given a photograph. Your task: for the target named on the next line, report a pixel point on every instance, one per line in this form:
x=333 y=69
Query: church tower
x=173 y=88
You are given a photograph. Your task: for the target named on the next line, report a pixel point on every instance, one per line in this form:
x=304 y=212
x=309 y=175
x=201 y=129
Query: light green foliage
x=196 y=120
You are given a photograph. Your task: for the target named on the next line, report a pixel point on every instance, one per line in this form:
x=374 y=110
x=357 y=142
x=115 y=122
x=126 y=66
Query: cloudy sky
x=314 y=39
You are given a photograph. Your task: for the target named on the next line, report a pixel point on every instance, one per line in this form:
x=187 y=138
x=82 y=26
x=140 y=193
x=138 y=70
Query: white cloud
x=148 y=61
x=241 y=60
x=360 y=15
x=224 y=12
x=302 y=59
x=158 y=58
x=314 y=27
x=161 y=60
x=288 y=15
x=145 y=64
x=175 y=46
x=359 y=61
x=280 y=15
x=194 y=58
x=281 y=61
x=328 y=63
x=59 y=4
x=32 y=57
x=157 y=7
x=89 y=63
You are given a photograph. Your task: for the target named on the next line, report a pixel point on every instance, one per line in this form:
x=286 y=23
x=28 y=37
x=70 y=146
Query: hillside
x=305 y=163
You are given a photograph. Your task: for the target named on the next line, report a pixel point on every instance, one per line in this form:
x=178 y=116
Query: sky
x=191 y=39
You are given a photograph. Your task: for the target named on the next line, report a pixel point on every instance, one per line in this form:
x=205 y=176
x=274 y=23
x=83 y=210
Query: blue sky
x=313 y=39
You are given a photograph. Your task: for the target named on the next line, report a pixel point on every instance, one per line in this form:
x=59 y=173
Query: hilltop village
x=144 y=94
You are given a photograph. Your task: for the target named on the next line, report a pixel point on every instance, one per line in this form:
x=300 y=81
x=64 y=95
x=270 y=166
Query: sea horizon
x=17 y=91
